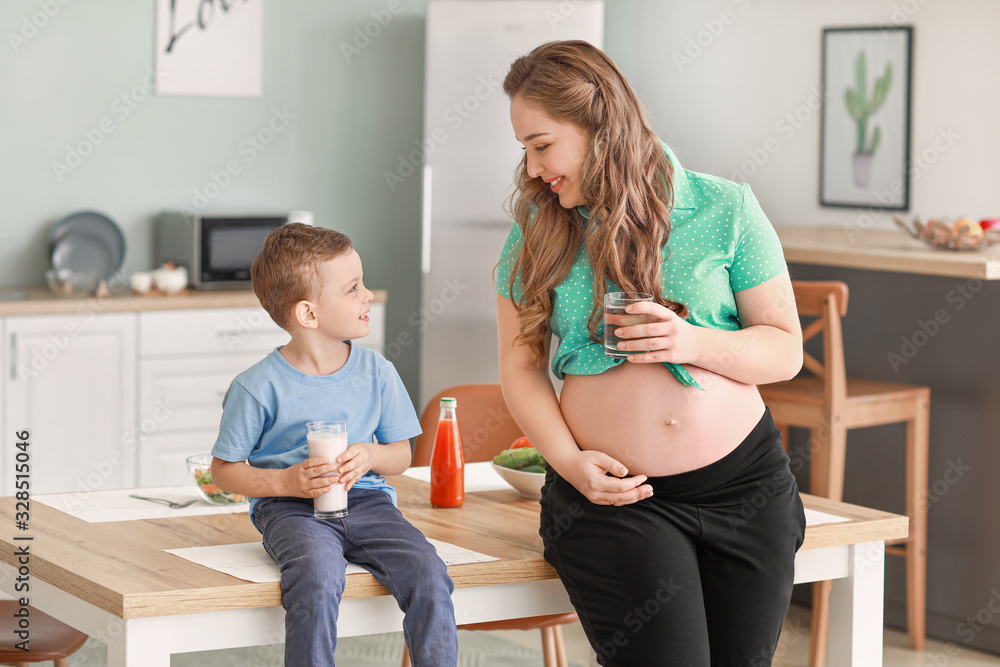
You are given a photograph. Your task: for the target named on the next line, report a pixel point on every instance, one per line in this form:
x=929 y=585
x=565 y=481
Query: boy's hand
x=355 y=462
x=305 y=480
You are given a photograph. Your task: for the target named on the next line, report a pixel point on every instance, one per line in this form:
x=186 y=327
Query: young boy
x=309 y=280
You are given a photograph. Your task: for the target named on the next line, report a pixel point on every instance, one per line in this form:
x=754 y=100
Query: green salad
x=203 y=476
x=525 y=459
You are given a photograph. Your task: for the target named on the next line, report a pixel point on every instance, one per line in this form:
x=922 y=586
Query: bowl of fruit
x=522 y=467
x=947 y=234
x=200 y=467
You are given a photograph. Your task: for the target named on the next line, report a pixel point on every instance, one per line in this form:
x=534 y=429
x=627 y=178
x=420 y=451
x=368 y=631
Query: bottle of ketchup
x=447 y=460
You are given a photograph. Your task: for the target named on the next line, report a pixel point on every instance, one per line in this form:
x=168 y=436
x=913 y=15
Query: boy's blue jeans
x=312 y=554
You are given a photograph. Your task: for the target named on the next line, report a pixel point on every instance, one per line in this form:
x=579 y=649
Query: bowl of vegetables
x=200 y=468
x=522 y=467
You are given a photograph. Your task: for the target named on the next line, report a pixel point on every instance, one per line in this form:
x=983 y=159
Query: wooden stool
x=488 y=428
x=829 y=404
x=49 y=639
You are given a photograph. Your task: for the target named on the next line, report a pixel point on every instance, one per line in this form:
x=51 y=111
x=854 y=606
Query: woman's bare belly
x=641 y=415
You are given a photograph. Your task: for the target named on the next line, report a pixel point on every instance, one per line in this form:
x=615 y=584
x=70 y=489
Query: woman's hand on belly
x=586 y=471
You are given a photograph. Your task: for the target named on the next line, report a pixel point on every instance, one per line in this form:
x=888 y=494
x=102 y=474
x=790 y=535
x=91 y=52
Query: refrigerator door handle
x=425 y=223
x=13 y=355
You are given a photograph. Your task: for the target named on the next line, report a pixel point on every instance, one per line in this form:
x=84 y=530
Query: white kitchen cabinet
x=224 y=331
x=164 y=456
x=71 y=381
x=185 y=394
x=120 y=399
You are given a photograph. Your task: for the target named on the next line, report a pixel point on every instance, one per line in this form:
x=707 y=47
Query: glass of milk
x=328 y=439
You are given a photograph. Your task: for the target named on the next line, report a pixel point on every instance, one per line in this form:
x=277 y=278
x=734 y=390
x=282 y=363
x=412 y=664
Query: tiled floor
x=793 y=647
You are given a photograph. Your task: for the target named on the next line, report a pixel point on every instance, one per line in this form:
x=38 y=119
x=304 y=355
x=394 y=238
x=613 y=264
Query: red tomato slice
x=521 y=442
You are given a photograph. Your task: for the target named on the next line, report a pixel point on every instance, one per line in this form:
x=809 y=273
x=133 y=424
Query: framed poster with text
x=206 y=47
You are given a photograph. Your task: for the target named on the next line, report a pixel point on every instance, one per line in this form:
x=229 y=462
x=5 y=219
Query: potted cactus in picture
x=861 y=107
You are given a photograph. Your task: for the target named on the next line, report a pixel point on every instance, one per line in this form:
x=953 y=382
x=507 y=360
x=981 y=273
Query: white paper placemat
x=814 y=518
x=249 y=561
x=101 y=506
x=479 y=476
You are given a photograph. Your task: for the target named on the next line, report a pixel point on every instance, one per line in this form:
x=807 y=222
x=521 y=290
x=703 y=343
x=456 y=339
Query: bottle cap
x=449 y=402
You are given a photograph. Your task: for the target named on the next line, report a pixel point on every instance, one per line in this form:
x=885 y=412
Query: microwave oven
x=216 y=248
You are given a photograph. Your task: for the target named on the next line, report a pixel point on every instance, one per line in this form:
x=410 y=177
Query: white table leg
x=856 y=605
x=143 y=641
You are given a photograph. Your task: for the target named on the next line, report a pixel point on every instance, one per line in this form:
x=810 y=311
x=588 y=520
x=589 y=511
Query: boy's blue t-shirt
x=267 y=406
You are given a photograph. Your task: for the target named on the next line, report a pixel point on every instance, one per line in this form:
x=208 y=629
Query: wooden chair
x=49 y=639
x=487 y=428
x=829 y=403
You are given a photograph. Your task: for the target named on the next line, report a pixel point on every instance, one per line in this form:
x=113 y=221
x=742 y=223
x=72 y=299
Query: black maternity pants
x=698 y=575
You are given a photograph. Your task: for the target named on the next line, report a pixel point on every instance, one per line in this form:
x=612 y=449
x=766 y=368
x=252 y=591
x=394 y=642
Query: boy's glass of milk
x=328 y=439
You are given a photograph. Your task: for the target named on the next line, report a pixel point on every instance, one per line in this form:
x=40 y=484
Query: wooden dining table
x=114 y=581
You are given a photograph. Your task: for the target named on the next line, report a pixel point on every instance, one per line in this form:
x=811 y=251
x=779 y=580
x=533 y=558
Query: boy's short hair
x=286 y=270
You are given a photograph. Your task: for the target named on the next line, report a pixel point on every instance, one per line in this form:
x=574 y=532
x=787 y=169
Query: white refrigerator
x=468 y=172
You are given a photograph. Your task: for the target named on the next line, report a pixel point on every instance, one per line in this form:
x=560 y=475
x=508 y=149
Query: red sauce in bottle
x=447 y=460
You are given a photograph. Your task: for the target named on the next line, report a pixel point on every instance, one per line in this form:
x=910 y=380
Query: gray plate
x=84 y=252
x=76 y=239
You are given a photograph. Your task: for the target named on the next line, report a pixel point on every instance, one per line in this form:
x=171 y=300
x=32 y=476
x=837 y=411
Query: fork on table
x=170 y=503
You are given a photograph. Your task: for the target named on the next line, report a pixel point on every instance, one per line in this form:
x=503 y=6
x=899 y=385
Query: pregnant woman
x=669 y=510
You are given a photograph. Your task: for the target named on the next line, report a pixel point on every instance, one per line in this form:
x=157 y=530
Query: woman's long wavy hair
x=627 y=181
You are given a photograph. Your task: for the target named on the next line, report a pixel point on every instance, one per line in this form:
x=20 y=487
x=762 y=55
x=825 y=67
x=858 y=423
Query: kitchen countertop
x=884 y=250
x=41 y=301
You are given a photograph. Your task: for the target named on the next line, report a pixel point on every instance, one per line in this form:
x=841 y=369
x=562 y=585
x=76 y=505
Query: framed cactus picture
x=865 y=135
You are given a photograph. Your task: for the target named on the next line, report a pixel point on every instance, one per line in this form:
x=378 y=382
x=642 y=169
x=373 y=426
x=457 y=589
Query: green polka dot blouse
x=720 y=243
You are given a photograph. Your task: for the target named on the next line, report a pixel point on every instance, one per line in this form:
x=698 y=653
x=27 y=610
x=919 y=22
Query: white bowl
x=170 y=281
x=200 y=468
x=141 y=282
x=528 y=484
